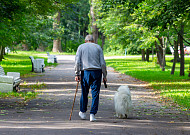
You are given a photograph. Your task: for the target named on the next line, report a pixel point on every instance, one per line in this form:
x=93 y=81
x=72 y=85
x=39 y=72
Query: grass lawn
x=20 y=62
x=175 y=87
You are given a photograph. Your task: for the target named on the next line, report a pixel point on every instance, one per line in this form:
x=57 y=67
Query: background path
x=49 y=113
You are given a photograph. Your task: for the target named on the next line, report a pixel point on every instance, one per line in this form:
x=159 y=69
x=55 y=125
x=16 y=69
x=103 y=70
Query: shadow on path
x=49 y=113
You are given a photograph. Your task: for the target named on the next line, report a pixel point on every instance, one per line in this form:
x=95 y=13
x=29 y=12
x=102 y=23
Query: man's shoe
x=92 y=118
x=82 y=115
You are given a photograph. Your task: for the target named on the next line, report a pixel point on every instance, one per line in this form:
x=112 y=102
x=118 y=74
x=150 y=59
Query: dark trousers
x=90 y=79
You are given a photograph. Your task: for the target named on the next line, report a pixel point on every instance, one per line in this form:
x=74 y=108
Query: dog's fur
x=122 y=101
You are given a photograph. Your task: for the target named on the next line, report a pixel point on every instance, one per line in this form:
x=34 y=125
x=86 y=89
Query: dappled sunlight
x=61 y=69
x=136 y=85
x=104 y=95
x=55 y=90
x=62 y=82
x=86 y=125
x=58 y=94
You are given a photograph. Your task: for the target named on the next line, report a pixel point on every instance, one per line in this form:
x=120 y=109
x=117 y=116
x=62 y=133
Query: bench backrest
x=171 y=49
x=48 y=54
x=32 y=59
x=2 y=71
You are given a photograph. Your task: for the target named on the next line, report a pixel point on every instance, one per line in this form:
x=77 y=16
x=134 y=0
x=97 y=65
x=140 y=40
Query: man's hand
x=77 y=78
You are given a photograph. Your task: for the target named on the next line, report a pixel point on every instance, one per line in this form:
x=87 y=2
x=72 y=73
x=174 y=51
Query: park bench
x=51 y=58
x=7 y=50
x=37 y=65
x=187 y=50
x=172 y=50
x=9 y=82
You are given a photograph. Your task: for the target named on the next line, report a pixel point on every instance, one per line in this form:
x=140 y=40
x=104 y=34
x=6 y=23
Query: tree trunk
x=25 y=47
x=152 y=53
x=147 y=54
x=103 y=41
x=40 y=48
x=4 y=53
x=65 y=44
x=164 y=52
x=143 y=54
x=1 y=53
x=175 y=56
x=161 y=51
x=159 y=54
x=94 y=26
x=182 y=67
x=57 y=42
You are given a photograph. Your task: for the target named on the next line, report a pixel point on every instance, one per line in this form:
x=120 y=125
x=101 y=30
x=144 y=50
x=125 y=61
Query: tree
x=13 y=14
x=57 y=42
x=94 y=28
x=75 y=21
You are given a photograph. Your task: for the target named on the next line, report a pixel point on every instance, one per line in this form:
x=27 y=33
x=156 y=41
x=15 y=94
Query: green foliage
x=27 y=21
x=34 y=86
x=25 y=96
x=171 y=86
x=138 y=23
x=75 y=22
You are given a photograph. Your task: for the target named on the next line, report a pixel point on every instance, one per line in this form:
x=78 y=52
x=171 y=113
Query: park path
x=49 y=113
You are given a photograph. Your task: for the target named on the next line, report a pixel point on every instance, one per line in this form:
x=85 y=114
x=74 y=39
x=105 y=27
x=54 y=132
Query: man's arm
x=78 y=62
x=103 y=65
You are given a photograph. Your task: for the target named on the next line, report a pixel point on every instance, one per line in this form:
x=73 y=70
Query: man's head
x=89 y=38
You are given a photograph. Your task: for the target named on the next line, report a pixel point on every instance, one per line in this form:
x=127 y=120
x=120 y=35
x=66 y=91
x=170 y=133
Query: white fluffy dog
x=122 y=101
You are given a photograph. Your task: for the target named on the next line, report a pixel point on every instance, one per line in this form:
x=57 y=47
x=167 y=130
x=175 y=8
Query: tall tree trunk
x=1 y=52
x=143 y=54
x=79 y=25
x=182 y=67
x=94 y=26
x=25 y=47
x=4 y=53
x=164 y=44
x=152 y=53
x=57 y=42
x=147 y=54
x=41 y=48
x=175 y=56
x=103 y=41
x=65 y=44
x=161 y=51
x=159 y=54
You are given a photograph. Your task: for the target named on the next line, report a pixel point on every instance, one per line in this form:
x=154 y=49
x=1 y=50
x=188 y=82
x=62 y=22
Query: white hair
x=89 y=38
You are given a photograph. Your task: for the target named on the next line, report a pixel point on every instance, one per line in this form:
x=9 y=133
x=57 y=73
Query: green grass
x=174 y=86
x=24 y=96
x=20 y=62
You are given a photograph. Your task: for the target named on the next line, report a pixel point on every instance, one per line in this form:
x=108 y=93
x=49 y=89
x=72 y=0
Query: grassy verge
x=26 y=96
x=20 y=62
x=170 y=86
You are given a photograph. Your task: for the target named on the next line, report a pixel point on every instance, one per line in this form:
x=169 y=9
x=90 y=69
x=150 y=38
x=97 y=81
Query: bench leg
x=16 y=88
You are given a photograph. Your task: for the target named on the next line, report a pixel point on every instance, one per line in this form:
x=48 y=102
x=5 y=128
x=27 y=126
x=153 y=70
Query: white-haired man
x=89 y=67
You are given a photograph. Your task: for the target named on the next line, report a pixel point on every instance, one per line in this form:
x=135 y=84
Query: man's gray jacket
x=90 y=56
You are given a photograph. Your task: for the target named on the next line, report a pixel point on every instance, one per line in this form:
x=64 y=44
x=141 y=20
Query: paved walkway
x=49 y=113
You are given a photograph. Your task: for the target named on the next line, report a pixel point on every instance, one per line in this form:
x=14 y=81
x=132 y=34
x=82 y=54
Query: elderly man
x=89 y=67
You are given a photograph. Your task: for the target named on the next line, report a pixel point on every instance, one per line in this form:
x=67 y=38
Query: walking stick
x=74 y=100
